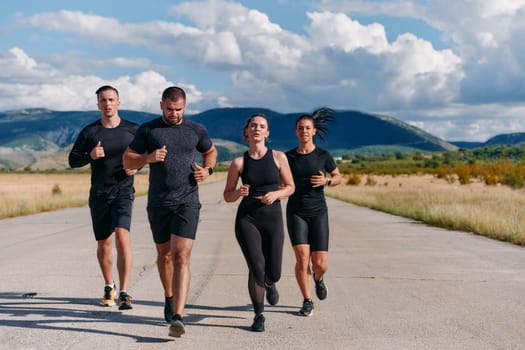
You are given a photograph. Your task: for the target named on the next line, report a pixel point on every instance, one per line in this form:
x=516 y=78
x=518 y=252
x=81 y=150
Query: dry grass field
x=493 y=211
x=26 y=194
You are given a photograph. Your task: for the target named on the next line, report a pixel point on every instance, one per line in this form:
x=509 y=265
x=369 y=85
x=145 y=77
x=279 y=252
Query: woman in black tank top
x=266 y=178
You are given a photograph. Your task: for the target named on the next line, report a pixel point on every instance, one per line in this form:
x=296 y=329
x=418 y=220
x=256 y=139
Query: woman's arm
x=231 y=192
x=335 y=179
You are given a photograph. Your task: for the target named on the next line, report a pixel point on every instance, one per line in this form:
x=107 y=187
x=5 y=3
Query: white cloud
x=17 y=67
x=338 y=31
x=20 y=58
x=486 y=34
x=337 y=61
x=46 y=88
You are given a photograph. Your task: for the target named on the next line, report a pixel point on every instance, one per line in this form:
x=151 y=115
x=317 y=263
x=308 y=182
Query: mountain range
x=30 y=135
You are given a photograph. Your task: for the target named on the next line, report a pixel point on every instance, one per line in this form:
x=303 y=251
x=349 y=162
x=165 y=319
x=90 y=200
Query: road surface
x=392 y=284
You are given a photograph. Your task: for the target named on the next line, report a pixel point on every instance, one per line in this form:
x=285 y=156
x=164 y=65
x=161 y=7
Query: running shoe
x=109 y=296
x=176 y=326
x=124 y=301
x=320 y=289
x=272 y=295
x=258 y=323
x=168 y=309
x=308 y=308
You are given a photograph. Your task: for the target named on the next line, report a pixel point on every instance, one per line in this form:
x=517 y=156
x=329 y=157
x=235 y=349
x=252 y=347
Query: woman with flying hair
x=306 y=211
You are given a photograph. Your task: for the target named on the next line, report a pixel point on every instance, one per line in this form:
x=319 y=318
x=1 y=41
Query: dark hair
x=173 y=93
x=320 y=118
x=247 y=124
x=106 y=88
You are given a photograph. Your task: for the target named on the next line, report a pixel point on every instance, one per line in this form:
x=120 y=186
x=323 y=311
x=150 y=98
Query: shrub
x=490 y=179
x=442 y=173
x=464 y=174
x=354 y=179
x=514 y=180
x=56 y=191
x=370 y=181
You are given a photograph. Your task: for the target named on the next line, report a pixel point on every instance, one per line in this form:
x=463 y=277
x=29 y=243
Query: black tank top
x=261 y=174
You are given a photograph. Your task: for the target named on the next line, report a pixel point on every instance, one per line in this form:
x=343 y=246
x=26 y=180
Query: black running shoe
x=272 y=295
x=168 y=309
x=124 y=301
x=258 y=323
x=176 y=326
x=320 y=289
x=308 y=308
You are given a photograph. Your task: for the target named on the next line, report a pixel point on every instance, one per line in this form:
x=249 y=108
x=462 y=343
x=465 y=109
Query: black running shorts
x=106 y=214
x=180 y=220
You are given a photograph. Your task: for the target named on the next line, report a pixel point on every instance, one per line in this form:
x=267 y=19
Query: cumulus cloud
x=17 y=67
x=337 y=61
x=336 y=51
x=485 y=34
x=468 y=122
x=37 y=87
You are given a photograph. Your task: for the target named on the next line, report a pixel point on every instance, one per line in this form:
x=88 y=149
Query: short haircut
x=105 y=88
x=173 y=93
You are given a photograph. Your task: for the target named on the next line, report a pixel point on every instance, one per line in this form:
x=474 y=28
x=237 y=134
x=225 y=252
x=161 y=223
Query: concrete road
x=392 y=284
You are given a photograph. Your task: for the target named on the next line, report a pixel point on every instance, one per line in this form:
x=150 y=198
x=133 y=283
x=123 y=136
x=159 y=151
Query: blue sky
x=453 y=68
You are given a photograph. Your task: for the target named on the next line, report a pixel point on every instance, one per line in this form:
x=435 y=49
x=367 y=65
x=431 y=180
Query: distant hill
x=350 y=129
x=467 y=144
x=512 y=139
x=30 y=134
x=515 y=139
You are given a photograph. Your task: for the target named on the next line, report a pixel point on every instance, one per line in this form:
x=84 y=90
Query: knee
x=258 y=274
x=105 y=246
x=320 y=267
x=180 y=258
x=273 y=277
x=302 y=258
x=273 y=273
x=302 y=262
x=163 y=255
x=121 y=239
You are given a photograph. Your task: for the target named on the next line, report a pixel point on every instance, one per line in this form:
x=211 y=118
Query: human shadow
x=50 y=313
x=30 y=310
x=200 y=315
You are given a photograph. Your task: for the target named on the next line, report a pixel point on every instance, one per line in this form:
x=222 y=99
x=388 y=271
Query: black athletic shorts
x=108 y=213
x=180 y=220
x=312 y=230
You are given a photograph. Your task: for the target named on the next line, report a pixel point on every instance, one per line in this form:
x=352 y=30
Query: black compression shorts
x=312 y=230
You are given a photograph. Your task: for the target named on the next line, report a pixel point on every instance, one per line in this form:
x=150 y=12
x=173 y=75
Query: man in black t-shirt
x=101 y=144
x=169 y=145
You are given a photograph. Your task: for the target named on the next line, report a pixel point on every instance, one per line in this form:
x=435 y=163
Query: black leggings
x=260 y=233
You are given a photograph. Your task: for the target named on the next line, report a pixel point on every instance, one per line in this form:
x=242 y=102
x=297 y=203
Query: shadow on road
x=85 y=315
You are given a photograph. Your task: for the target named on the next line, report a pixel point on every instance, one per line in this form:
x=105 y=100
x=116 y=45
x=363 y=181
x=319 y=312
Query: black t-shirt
x=171 y=182
x=308 y=200
x=107 y=173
